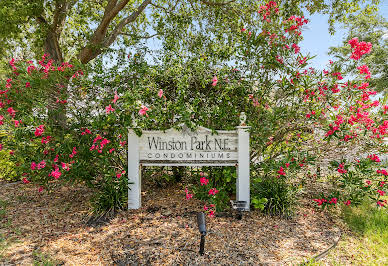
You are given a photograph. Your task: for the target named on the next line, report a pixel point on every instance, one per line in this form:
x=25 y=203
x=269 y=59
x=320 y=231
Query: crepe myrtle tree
x=205 y=74
x=67 y=30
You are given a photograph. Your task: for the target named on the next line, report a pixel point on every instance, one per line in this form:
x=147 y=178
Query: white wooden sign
x=186 y=148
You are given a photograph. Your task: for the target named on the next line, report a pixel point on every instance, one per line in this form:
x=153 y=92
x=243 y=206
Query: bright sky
x=317 y=39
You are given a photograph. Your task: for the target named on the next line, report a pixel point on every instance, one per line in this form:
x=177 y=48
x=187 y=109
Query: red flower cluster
x=321 y=201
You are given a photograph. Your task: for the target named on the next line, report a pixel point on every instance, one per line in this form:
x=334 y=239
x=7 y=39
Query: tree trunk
x=56 y=111
x=51 y=47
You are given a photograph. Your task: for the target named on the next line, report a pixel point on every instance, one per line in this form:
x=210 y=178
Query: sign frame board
x=202 y=147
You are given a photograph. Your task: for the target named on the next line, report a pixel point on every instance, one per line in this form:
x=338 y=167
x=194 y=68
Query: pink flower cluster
x=338 y=75
x=341 y=169
x=382 y=171
x=213 y=191
x=281 y=172
x=85 y=131
x=143 y=110
x=46 y=140
x=39 y=130
x=56 y=173
x=364 y=69
x=321 y=201
x=38 y=166
x=109 y=109
x=100 y=147
x=267 y=9
x=296 y=48
x=188 y=195
x=74 y=152
x=210 y=210
x=374 y=157
x=299 y=22
x=254 y=100
x=332 y=130
x=118 y=175
x=359 y=48
x=204 y=181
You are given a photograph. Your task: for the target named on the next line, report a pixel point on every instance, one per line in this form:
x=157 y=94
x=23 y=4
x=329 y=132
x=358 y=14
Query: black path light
x=202 y=230
x=240 y=206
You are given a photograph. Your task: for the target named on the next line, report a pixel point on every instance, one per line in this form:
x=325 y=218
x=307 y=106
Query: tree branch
x=60 y=14
x=111 y=11
x=210 y=3
x=125 y=21
x=98 y=40
x=139 y=37
x=41 y=20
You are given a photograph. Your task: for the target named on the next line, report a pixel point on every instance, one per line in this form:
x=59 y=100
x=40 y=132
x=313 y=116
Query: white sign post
x=186 y=148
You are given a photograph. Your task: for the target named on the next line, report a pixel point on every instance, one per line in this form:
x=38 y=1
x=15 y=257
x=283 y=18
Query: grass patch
x=3 y=206
x=367 y=219
x=3 y=242
x=368 y=241
x=368 y=245
x=42 y=259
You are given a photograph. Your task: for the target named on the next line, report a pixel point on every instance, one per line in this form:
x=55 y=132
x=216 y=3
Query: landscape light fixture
x=240 y=206
x=202 y=230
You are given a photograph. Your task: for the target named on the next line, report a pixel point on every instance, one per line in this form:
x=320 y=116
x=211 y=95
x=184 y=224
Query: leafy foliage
x=371 y=27
x=281 y=197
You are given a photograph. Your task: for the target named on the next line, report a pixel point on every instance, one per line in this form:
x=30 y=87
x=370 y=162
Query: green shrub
x=111 y=195
x=281 y=195
x=7 y=167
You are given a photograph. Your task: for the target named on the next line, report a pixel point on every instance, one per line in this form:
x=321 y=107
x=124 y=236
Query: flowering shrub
x=215 y=199
x=358 y=119
x=357 y=181
x=69 y=121
x=47 y=146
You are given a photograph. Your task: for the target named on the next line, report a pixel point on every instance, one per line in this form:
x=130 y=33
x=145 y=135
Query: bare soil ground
x=41 y=227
